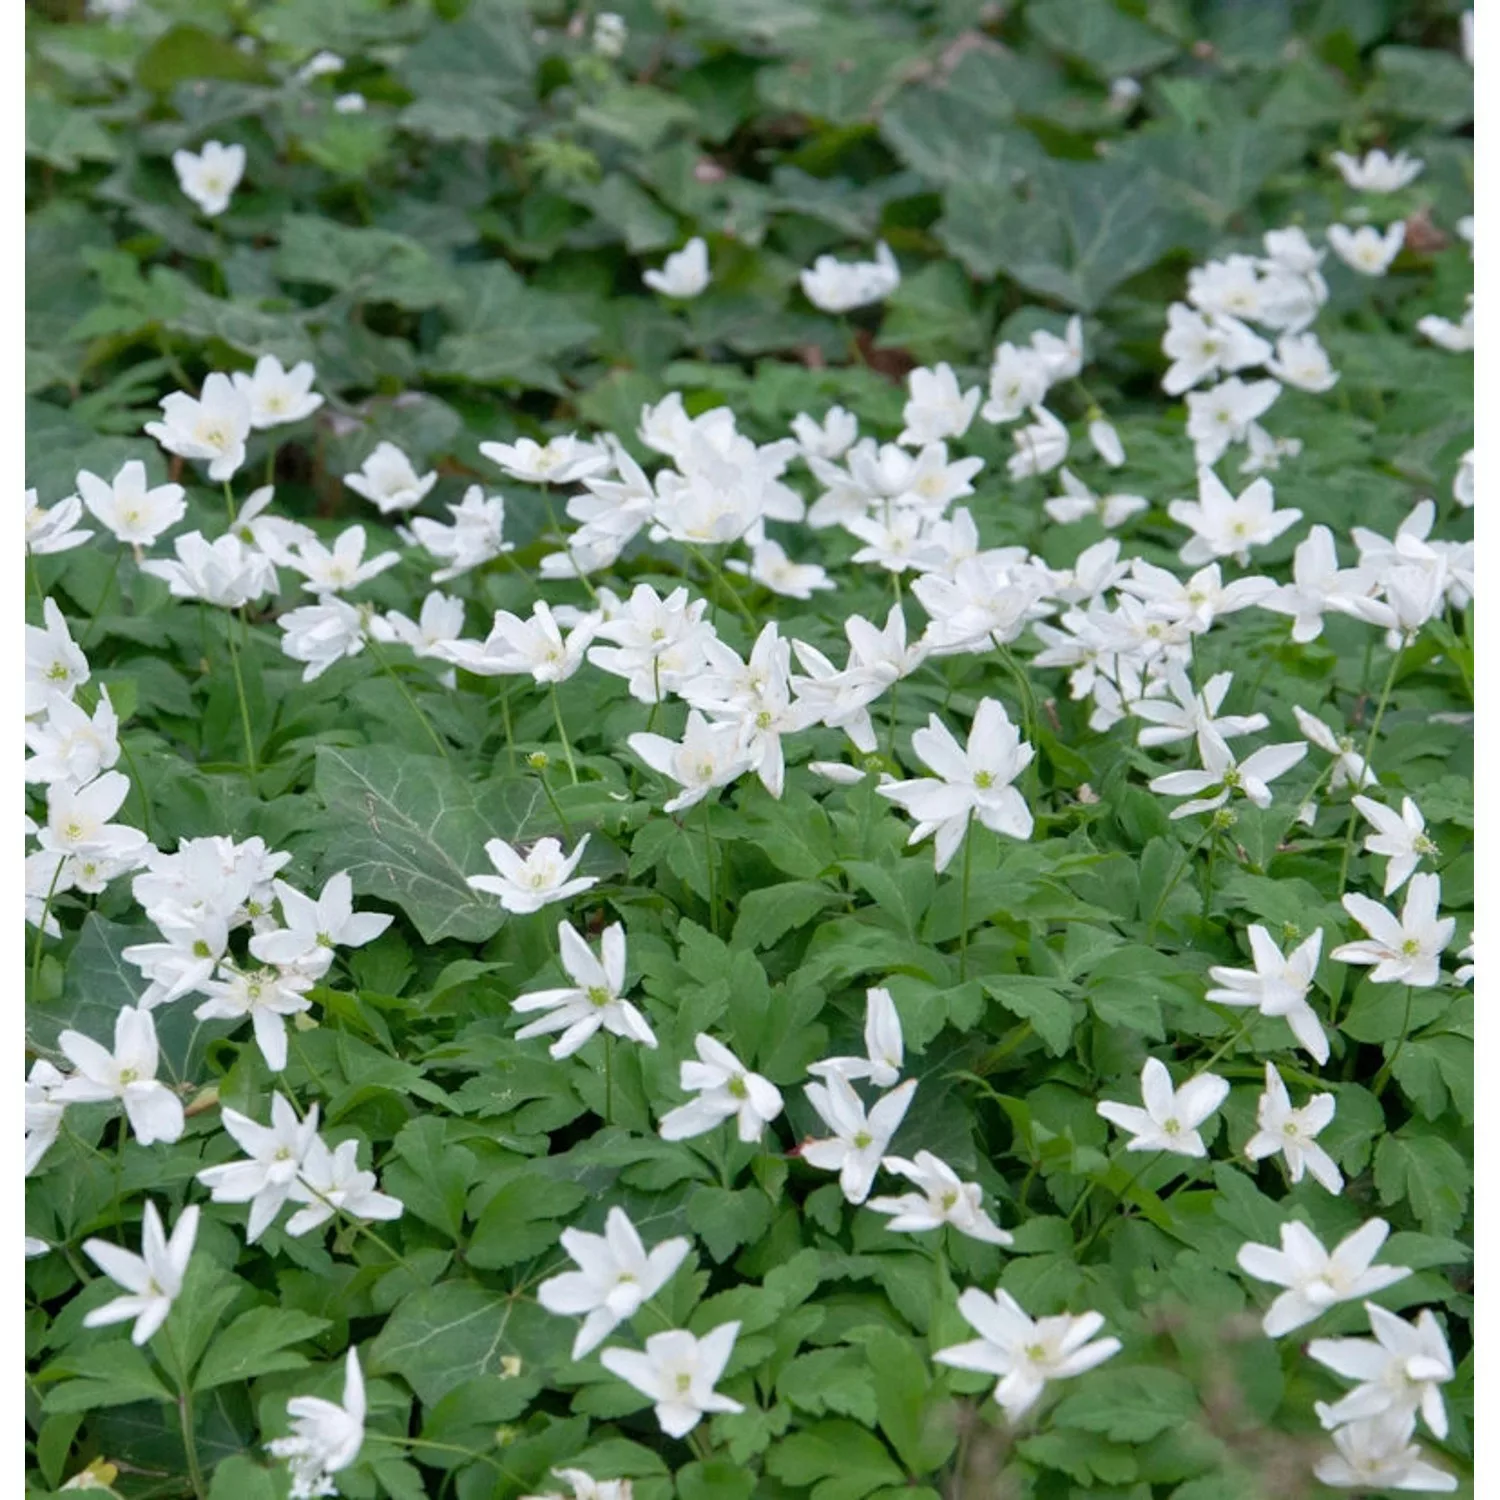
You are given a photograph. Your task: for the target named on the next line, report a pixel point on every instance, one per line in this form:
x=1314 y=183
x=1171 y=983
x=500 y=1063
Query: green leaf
x=840 y=1460
x=410 y=829
x=432 y=1177
x=922 y=1432
x=186 y=54
x=1129 y=1405
x=837 y=1381
x=368 y=264
x=521 y=1220
x=114 y=1374
x=239 y=1477
x=724 y=1220
x=65 y=137
x=1043 y=1002
x=257 y=1343
x=1422 y=1168
x=769 y=912
x=1100 y=34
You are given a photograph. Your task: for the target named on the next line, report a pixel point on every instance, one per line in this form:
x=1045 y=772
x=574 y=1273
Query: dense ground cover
x=636 y=963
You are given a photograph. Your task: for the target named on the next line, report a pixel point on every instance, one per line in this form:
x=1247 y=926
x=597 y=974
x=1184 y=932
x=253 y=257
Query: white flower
x=212 y=428
x=859 y=1139
x=331 y=571
x=1314 y=1278
x=770 y=567
x=1225 y=414
x=972 y=781
x=583 y=1485
x=936 y=408
x=1277 y=986
x=1040 y=446
x=1402 y=838
x=70 y=745
x=127 y=508
x=1406 y=951
x=1366 y=249
x=610 y=35
x=724 y=1087
x=684 y=274
x=1303 y=362
x=210 y=176
x=594 y=999
x=78 y=818
x=325 y=1437
x=943 y=1199
x=321 y=634
x=1377 y=172
x=1399 y=1374
x=1188 y=714
x=1202 y=345
x=1290 y=1133
x=319 y=65
x=52 y=530
x=1456 y=338
x=278 y=396
x=1263 y=453
x=271 y=534
x=1226 y=525
x=1106 y=441
x=1019 y=379
x=1023 y=1352
x=350 y=104
x=1350 y=767
x=44 y=1111
x=195 y=939
x=829 y=439
x=224 y=572
x=678 y=1372
x=152 y=1279
x=330 y=1181
x=274 y=1155
x=388 y=480
x=835 y=286
x=708 y=757
x=884 y=1046
x=1062 y=357
x=1379 y=1455
x=535 y=646
x=127 y=1074
x=1171 y=1118
x=1465 y=972
x=543 y=876
x=1080 y=501
x=655 y=643
x=476 y=536
x=561 y=460
x=1318 y=585
x=616 y=1277
x=1220 y=776
x=314 y=928
x=266 y=996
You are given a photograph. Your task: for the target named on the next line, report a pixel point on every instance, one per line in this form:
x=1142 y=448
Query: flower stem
x=41 y=927
x=1171 y=885
x=229 y=501
x=562 y=732
x=609 y=1079
x=1208 y=879
x=963 y=904
x=723 y=583
x=1385 y=697
x=416 y=708
x=1383 y=1077
x=708 y=854
x=239 y=687
x=114 y=568
x=562 y=817
x=185 y=1419
x=271 y=464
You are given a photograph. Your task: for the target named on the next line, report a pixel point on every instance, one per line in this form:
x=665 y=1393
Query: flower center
x=863 y=1139
x=684 y=1383
x=737 y=1087
x=598 y=995
x=202 y=950
x=984 y=780
x=128 y=1075
x=1411 y=947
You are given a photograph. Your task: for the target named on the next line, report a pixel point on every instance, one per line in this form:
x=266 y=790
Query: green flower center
x=864 y=1139
x=737 y=1087
x=598 y=995
x=984 y=780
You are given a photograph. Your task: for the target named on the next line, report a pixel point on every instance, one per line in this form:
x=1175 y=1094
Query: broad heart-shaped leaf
x=410 y=829
x=444 y=1335
x=1081 y=230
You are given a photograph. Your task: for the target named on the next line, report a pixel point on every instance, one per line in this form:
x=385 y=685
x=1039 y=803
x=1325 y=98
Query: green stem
x=1385 y=697
x=271 y=465
x=562 y=733
x=723 y=583
x=708 y=854
x=1171 y=885
x=510 y=738
x=963 y=904
x=185 y=1418
x=562 y=817
x=609 y=1079
x=229 y=502
x=239 y=687
x=1208 y=879
x=1383 y=1077
x=416 y=708
x=484 y=1458
x=140 y=787
x=36 y=582
x=1119 y=1198
x=41 y=928
x=114 y=568
x=1230 y=1045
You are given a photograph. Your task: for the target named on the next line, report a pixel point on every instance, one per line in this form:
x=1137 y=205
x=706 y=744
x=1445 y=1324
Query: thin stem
x=1230 y=1045
x=1383 y=1077
x=1208 y=879
x=239 y=687
x=271 y=464
x=708 y=854
x=229 y=502
x=510 y=738
x=609 y=1079
x=41 y=927
x=185 y=1418
x=562 y=817
x=724 y=584
x=114 y=568
x=416 y=708
x=36 y=582
x=1171 y=885
x=562 y=732
x=1119 y=1199
x=484 y=1458
x=1385 y=697
x=963 y=905
x=140 y=787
